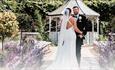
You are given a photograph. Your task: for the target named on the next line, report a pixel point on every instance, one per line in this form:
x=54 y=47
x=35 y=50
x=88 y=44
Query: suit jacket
x=81 y=24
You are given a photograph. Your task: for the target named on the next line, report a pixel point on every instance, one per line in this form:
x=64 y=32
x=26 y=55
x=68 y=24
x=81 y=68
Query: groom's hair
x=75 y=7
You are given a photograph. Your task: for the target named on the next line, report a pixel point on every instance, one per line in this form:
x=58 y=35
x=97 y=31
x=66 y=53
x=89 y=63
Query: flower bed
x=19 y=56
x=106 y=51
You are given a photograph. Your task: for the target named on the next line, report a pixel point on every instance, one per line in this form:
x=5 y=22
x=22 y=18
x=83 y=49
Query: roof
x=84 y=9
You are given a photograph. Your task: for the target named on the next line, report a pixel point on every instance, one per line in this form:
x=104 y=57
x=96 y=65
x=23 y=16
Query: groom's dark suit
x=82 y=25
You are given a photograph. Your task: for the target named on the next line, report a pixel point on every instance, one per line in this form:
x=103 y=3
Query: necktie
x=77 y=16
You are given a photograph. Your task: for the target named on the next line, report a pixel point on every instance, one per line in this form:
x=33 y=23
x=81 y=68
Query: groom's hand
x=81 y=36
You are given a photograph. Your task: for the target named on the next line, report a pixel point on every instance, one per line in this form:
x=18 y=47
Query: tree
x=31 y=11
x=106 y=10
x=8 y=25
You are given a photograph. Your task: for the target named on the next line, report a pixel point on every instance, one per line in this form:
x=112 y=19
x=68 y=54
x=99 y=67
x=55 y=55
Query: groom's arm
x=83 y=26
x=88 y=26
x=85 y=21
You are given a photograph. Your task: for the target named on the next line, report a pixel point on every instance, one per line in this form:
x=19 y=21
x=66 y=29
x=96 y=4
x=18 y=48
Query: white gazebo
x=54 y=18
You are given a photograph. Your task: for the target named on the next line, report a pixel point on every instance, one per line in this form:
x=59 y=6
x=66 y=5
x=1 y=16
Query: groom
x=81 y=24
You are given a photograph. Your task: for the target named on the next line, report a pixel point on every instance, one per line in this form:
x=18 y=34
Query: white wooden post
x=57 y=30
x=92 y=31
x=50 y=19
x=97 y=20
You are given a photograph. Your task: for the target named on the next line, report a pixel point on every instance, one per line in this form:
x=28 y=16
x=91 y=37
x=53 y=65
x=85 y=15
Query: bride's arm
x=75 y=27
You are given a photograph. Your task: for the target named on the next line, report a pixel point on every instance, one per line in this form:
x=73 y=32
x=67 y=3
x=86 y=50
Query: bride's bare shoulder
x=72 y=19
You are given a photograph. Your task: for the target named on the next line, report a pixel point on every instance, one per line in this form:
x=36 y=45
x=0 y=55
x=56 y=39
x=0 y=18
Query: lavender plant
x=106 y=53
x=29 y=54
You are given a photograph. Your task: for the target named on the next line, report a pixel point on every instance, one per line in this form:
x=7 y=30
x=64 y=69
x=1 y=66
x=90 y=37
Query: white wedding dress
x=66 y=53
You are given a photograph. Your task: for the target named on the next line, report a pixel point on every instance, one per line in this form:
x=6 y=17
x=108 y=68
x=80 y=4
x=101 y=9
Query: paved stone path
x=88 y=59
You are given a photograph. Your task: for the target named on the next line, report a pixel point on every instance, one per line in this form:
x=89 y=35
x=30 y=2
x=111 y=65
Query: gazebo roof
x=83 y=8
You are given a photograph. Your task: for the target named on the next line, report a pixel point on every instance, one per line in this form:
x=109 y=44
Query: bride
x=66 y=54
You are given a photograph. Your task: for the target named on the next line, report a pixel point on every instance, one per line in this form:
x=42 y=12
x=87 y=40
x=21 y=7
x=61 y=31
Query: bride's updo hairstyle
x=67 y=11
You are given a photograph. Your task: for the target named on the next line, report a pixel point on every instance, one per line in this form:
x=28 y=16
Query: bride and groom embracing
x=70 y=40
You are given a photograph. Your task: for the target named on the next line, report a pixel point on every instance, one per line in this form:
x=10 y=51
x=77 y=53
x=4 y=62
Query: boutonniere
x=80 y=18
